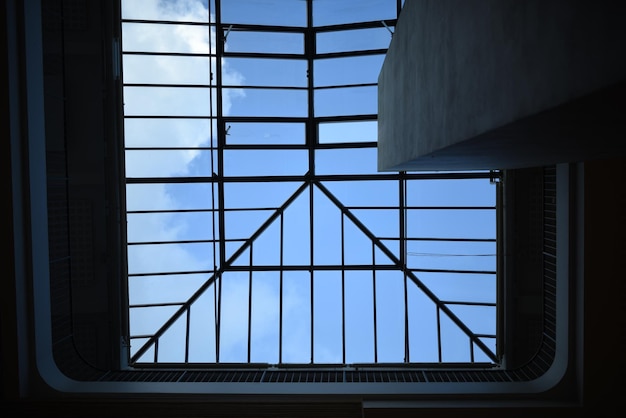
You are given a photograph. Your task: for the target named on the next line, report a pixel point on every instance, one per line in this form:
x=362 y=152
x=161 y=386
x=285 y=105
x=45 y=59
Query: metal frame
x=310 y=182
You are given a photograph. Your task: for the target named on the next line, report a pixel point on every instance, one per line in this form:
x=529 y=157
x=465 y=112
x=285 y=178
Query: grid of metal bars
x=392 y=250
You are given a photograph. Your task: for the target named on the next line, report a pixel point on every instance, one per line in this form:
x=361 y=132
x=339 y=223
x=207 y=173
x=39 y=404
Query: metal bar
x=342 y=86
x=423 y=207
x=471 y=351
x=167 y=22
x=281 y=284
x=453 y=271
x=440 y=239
x=332 y=145
x=356 y=25
x=262 y=87
x=342 y=54
x=374 y=303
x=258 y=209
x=289 y=178
x=449 y=302
x=250 y=304
x=439 y=334
x=221 y=131
x=265 y=55
x=311 y=134
x=170 y=54
x=155 y=305
x=343 y=292
x=169 y=85
x=187 y=330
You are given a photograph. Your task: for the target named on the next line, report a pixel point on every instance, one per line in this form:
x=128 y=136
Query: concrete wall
x=459 y=70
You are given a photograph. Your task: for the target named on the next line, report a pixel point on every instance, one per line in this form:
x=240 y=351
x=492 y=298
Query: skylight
x=259 y=229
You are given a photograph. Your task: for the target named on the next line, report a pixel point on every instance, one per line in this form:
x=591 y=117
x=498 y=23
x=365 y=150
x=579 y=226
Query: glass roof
x=259 y=229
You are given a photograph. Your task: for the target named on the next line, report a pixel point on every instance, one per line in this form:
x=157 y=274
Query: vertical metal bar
x=213 y=186
x=311 y=139
x=312 y=286
x=343 y=292
x=250 y=305
x=402 y=250
x=156 y=350
x=471 y=350
x=280 y=314
x=187 y=335
x=374 y=303
x=438 y=334
x=219 y=51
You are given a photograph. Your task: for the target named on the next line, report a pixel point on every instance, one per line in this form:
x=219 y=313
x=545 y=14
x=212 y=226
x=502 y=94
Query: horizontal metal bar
x=170 y=273
x=372 y=24
x=260 y=87
x=317 y=267
x=341 y=86
x=415 y=270
x=440 y=239
x=191 y=241
x=333 y=145
x=169 y=117
x=207 y=210
x=169 y=22
x=425 y=207
x=342 y=54
x=170 y=149
x=156 y=305
x=170 y=54
x=455 y=302
x=302 y=177
x=269 y=55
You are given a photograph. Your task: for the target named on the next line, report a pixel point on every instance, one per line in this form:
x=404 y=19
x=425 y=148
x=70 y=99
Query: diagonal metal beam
x=244 y=246
x=429 y=293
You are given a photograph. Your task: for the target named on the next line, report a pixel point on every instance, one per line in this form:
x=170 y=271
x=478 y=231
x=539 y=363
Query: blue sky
x=160 y=224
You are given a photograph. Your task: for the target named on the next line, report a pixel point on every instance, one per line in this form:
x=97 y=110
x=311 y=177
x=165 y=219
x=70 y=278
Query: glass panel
x=344 y=132
x=353 y=40
x=390 y=317
x=326 y=231
x=154 y=37
x=168 y=163
x=268 y=42
x=265 y=12
x=172 y=11
x=265 y=317
x=346 y=161
x=346 y=101
x=270 y=72
x=470 y=192
x=155 y=132
x=333 y=12
x=296 y=319
x=267 y=102
x=476 y=256
x=159 y=258
x=168 y=196
x=171 y=226
x=452 y=223
x=234 y=317
x=265 y=133
x=265 y=162
x=165 y=69
x=359 y=317
x=166 y=101
x=348 y=70
x=327 y=325
x=461 y=287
